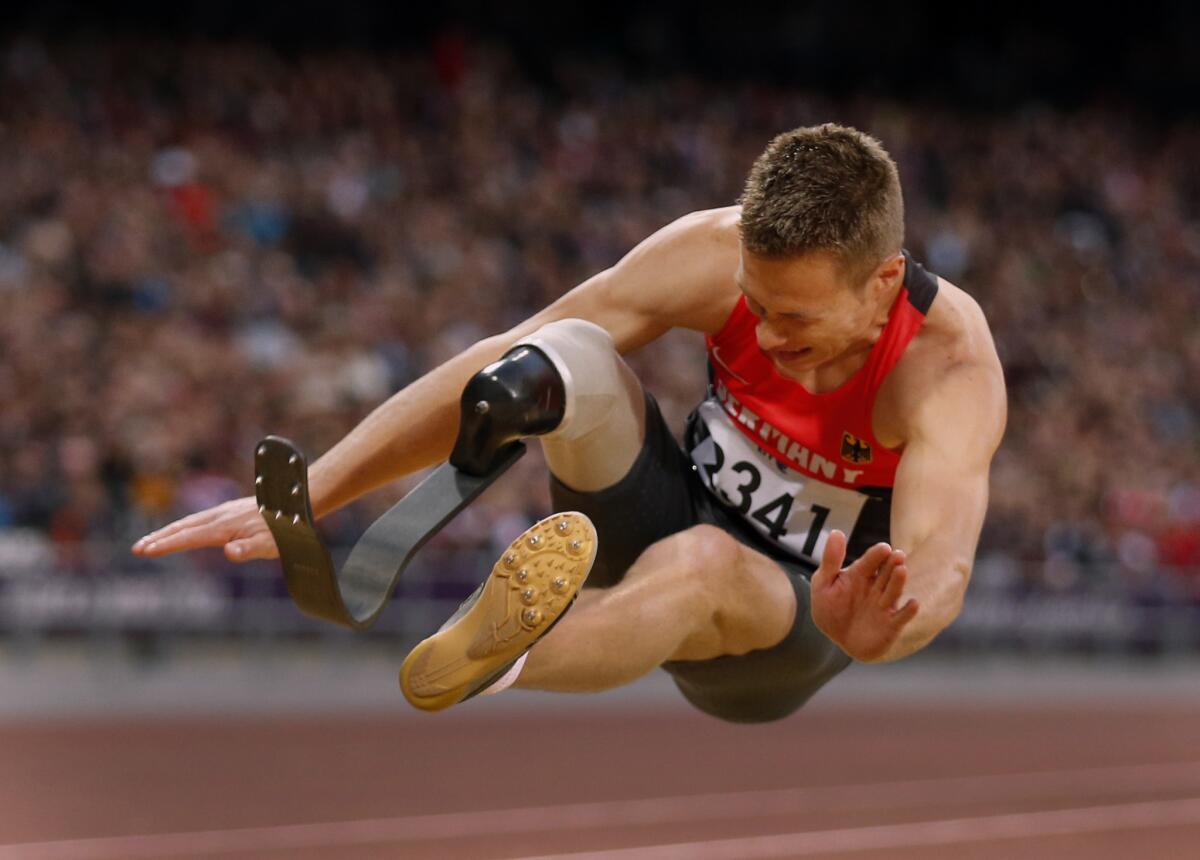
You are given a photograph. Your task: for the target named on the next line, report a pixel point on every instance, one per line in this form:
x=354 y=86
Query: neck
x=885 y=301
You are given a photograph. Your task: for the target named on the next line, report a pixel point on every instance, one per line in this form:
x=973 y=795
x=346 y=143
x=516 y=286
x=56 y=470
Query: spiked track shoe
x=529 y=589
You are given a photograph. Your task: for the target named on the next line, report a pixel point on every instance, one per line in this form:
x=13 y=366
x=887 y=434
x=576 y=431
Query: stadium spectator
x=201 y=244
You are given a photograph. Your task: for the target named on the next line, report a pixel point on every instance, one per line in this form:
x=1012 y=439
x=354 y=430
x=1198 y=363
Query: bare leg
x=603 y=456
x=605 y=422
x=694 y=596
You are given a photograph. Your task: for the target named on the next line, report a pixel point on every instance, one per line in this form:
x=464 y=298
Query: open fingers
x=212 y=534
x=247 y=533
x=868 y=563
x=894 y=587
x=894 y=560
x=258 y=546
x=831 y=560
x=883 y=574
x=239 y=547
x=200 y=518
x=905 y=613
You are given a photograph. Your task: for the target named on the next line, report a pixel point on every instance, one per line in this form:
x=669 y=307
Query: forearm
x=413 y=429
x=916 y=637
x=940 y=601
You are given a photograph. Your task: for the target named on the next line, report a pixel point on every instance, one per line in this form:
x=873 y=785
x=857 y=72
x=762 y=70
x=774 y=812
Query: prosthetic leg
x=560 y=382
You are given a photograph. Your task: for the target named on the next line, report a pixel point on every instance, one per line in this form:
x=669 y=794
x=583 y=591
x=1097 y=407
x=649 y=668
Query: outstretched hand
x=856 y=606
x=235 y=525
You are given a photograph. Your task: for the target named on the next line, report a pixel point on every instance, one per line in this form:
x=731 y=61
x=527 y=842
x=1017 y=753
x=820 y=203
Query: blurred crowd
x=201 y=244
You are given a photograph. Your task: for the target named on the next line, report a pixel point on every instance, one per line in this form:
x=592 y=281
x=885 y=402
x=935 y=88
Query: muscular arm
x=679 y=277
x=672 y=279
x=941 y=495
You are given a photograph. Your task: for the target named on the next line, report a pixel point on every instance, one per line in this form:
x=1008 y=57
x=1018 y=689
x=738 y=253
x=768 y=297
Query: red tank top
x=827 y=435
x=794 y=464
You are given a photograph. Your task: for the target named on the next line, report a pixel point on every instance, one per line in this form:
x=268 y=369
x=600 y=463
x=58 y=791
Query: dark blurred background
x=1065 y=53
x=223 y=220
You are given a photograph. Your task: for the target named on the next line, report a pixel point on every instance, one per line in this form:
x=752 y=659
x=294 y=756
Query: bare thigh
x=721 y=596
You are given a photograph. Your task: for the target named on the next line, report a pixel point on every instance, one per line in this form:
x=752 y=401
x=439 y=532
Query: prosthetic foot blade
x=355 y=595
x=281 y=487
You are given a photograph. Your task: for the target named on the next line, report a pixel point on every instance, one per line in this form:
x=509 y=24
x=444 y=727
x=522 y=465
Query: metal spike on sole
x=505 y=617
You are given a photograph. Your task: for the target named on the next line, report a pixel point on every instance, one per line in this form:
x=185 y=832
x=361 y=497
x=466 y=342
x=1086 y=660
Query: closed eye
x=760 y=312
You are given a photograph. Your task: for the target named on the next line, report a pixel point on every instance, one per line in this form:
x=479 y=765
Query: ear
x=888 y=276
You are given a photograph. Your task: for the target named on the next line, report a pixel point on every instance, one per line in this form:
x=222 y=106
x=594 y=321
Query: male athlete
x=854 y=406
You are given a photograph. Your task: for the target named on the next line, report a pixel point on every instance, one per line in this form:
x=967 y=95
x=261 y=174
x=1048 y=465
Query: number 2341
x=775 y=513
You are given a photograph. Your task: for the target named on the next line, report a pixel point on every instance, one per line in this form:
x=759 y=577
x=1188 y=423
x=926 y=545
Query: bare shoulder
x=685 y=271
x=718 y=227
x=952 y=362
x=681 y=276
x=955 y=332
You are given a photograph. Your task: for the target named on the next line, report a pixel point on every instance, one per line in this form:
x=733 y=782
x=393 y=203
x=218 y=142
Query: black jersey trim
x=922 y=286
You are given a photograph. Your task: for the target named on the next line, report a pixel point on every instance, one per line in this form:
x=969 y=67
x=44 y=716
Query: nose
x=768 y=338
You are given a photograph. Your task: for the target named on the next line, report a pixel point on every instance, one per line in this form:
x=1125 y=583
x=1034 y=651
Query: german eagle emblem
x=855 y=450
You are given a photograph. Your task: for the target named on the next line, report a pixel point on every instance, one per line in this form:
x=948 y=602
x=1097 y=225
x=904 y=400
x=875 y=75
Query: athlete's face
x=810 y=313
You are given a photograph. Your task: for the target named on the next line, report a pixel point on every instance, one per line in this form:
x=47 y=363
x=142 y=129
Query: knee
x=573 y=345
x=714 y=554
x=749 y=598
x=593 y=374
x=693 y=555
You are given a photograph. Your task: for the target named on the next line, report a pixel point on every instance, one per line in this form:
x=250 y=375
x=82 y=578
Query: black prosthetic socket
x=520 y=395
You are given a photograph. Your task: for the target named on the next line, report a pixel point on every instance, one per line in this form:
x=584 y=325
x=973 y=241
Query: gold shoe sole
x=535 y=581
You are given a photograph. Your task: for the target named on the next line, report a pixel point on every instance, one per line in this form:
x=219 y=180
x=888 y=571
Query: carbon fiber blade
x=355 y=595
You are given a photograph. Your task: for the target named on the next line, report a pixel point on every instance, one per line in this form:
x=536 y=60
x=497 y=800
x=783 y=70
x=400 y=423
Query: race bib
x=794 y=510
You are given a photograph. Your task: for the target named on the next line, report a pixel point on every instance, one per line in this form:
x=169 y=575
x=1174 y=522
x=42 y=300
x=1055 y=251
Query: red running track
x=898 y=783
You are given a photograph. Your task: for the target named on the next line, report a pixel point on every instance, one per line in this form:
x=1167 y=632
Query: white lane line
x=950 y=831
x=1129 y=779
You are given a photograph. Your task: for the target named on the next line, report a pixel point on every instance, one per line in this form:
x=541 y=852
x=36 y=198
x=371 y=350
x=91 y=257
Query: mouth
x=788 y=355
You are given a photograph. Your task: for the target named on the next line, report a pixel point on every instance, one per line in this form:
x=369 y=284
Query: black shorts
x=663 y=495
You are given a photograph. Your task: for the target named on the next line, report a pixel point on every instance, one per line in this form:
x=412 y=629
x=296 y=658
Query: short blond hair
x=824 y=188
